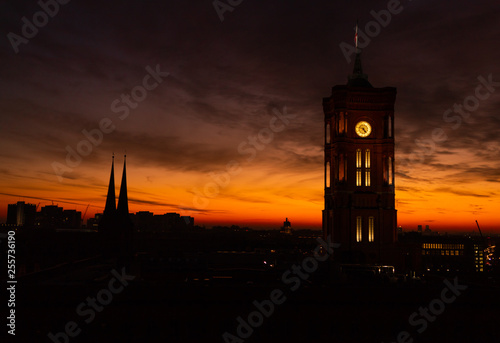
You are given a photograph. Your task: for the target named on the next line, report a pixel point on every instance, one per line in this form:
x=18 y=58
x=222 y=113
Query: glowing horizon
x=264 y=205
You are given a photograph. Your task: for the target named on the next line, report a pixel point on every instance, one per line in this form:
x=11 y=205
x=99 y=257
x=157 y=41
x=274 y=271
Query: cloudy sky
x=214 y=85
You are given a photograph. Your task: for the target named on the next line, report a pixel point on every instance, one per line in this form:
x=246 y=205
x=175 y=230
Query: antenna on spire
x=356 y=36
x=358 y=78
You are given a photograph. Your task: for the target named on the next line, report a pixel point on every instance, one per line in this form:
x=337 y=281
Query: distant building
x=50 y=217
x=428 y=231
x=144 y=221
x=172 y=220
x=72 y=219
x=287 y=227
x=93 y=223
x=448 y=253
x=12 y=214
x=188 y=222
x=21 y=214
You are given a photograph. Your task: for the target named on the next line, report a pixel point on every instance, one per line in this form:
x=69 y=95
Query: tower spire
x=109 y=214
x=110 y=206
x=123 y=198
x=358 y=78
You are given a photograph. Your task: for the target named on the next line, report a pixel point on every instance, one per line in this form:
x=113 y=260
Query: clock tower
x=359 y=210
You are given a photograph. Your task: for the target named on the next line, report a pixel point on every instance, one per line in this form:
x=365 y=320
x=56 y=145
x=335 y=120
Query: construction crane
x=485 y=239
x=85 y=213
x=488 y=250
x=479 y=230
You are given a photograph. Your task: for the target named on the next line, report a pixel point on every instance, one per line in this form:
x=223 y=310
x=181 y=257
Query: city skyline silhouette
x=238 y=171
x=208 y=92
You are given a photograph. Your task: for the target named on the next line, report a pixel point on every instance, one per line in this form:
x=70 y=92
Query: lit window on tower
x=358 y=167
x=359 y=229
x=371 y=229
x=390 y=173
x=327 y=175
x=367 y=168
x=384 y=171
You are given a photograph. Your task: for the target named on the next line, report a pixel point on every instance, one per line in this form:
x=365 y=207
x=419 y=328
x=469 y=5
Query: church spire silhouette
x=124 y=223
x=109 y=214
x=111 y=198
x=123 y=199
x=116 y=225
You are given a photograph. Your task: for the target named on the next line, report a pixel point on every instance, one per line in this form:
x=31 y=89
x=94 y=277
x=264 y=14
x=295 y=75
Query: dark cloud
x=461 y=193
x=227 y=78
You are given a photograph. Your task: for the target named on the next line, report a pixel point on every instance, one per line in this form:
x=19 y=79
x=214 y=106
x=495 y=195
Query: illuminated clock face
x=363 y=129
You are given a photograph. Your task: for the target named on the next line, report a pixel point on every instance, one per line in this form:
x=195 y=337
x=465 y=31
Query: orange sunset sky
x=226 y=81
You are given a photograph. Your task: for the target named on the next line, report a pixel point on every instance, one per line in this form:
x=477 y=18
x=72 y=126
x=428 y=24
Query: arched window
x=371 y=229
x=359 y=229
x=367 y=168
x=327 y=174
x=359 y=163
x=390 y=173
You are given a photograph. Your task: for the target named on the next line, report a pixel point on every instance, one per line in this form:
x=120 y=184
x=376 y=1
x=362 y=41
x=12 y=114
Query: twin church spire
x=110 y=207
x=116 y=218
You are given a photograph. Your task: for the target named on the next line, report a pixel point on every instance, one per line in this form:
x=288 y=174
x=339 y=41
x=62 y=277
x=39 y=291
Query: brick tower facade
x=359 y=210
